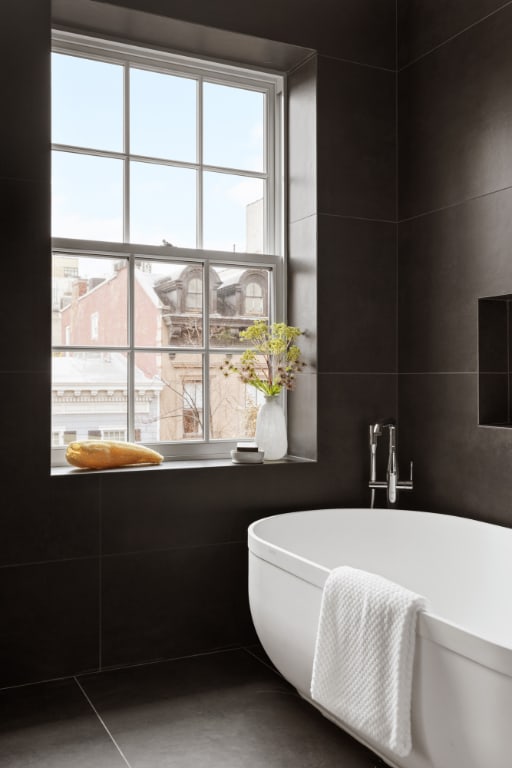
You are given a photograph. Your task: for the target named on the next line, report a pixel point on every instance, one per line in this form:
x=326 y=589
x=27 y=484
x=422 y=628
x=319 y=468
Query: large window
x=167 y=188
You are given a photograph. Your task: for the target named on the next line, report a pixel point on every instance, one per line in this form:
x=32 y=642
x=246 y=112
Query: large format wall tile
x=357 y=280
x=356 y=140
x=174 y=603
x=50 y=618
x=58 y=521
x=447 y=261
x=423 y=25
x=182 y=508
x=360 y=30
x=25 y=227
x=459 y=467
x=25 y=129
x=456 y=119
x=23 y=425
x=198 y=507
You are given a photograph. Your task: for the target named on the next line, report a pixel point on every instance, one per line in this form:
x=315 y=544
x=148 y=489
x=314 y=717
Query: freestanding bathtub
x=462 y=682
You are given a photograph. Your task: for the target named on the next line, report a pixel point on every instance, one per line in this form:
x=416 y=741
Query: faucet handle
x=406 y=485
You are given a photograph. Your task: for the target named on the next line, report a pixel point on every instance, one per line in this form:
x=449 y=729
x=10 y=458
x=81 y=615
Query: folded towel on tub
x=363 y=662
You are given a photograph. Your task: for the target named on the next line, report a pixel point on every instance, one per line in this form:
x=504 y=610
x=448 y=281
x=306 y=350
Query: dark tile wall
x=423 y=25
x=356 y=141
x=454 y=234
x=117 y=568
x=456 y=116
x=358 y=30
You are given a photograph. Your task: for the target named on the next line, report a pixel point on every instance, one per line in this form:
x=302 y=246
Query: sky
x=87 y=192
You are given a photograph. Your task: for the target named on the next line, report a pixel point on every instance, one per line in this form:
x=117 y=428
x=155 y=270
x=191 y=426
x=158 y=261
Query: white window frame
x=273 y=257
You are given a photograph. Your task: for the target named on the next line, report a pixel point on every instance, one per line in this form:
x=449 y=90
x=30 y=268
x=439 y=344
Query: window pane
x=233 y=127
x=168 y=304
x=233 y=213
x=87 y=103
x=87 y=197
x=89 y=394
x=176 y=411
x=89 y=301
x=238 y=296
x=163 y=205
x=233 y=405
x=162 y=115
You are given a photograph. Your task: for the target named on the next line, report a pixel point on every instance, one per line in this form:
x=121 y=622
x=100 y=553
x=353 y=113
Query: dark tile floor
x=222 y=710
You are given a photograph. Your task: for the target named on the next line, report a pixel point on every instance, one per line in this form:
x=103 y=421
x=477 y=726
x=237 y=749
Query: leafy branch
x=272 y=361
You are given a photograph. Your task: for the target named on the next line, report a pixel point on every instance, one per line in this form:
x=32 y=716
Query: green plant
x=273 y=359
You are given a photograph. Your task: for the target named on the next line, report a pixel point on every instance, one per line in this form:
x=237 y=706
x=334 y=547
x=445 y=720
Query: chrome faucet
x=392 y=484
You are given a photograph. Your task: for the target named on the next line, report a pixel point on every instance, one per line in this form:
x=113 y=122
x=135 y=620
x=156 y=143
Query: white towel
x=363 y=663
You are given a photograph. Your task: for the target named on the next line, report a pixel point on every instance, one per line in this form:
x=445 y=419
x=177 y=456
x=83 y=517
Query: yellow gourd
x=106 y=454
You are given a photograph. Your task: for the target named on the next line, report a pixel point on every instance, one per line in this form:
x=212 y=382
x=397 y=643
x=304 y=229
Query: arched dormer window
x=254 y=299
x=194 y=297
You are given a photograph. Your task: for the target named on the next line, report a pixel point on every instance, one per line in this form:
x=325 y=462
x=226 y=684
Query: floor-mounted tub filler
x=461 y=687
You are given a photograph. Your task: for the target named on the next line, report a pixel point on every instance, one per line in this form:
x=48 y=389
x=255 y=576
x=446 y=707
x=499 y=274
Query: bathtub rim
x=430 y=626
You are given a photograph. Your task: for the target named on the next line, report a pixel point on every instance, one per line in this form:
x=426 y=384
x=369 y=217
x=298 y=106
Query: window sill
x=175 y=464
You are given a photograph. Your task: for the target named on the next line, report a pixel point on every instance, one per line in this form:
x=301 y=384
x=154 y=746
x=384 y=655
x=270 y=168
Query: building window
x=113 y=434
x=57 y=438
x=192 y=408
x=167 y=186
x=194 y=294
x=95 y=323
x=254 y=299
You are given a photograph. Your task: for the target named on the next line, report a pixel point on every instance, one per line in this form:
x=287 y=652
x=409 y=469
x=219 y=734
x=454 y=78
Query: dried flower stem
x=270 y=365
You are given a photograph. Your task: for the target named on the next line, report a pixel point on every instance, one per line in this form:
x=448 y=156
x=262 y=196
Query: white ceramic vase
x=271 y=437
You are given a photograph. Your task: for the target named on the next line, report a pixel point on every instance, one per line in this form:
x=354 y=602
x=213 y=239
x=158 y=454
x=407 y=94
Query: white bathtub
x=462 y=682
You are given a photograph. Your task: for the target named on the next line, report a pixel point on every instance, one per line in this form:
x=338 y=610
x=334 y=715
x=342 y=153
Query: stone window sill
x=180 y=464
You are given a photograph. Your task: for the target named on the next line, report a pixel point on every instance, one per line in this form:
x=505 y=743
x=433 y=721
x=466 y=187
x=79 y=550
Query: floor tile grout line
x=29 y=683
x=114 y=742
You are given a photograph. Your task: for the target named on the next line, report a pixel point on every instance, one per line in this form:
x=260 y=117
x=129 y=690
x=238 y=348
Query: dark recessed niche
x=494 y=361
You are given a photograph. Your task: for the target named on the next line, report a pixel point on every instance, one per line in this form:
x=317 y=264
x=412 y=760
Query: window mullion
x=126 y=150
x=206 y=357
x=267 y=144
x=199 y=150
x=131 y=353
x=131 y=262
